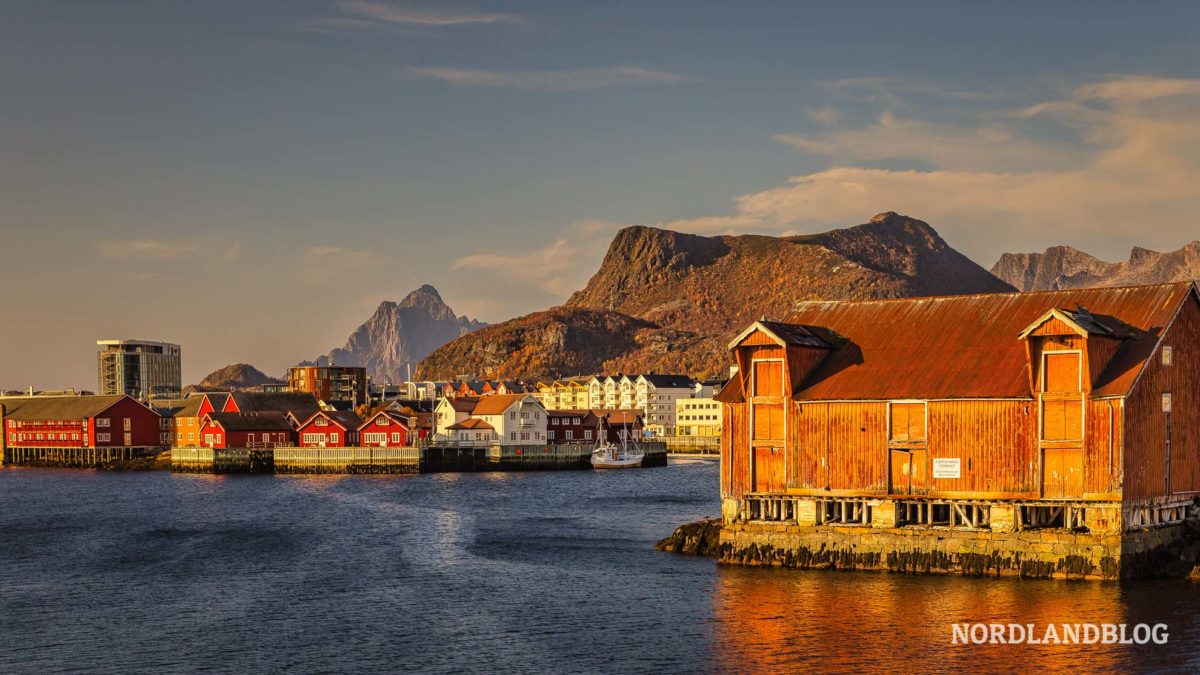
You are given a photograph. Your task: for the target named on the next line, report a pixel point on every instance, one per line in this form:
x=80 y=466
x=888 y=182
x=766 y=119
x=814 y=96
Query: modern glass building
x=142 y=369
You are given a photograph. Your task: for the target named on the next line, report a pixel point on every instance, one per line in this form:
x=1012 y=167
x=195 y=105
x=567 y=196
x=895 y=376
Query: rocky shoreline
x=702 y=538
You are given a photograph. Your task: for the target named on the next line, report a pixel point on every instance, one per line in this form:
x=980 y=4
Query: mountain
x=237 y=377
x=400 y=334
x=1064 y=267
x=681 y=297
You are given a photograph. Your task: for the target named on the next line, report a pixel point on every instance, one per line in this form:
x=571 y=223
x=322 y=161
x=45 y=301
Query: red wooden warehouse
x=246 y=430
x=1071 y=410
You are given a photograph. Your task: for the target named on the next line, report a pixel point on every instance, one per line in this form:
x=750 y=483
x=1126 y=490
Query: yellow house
x=697 y=417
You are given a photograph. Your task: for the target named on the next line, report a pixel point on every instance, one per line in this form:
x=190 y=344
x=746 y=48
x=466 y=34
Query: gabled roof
x=187 y=407
x=301 y=405
x=785 y=334
x=667 y=381
x=464 y=404
x=1081 y=320
x=966 y=346
x=622 y=416
x=397 y=417
x=250 y=421
x=217 y=399
x=58 y=407
x=473 y=423
x=495 y=405
x=346 y=419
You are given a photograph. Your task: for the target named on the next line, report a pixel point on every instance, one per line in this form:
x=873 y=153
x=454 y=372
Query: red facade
x=386 y=429
x=123 y=424
x=217 y=434
x=571 y=426
x=328 y=430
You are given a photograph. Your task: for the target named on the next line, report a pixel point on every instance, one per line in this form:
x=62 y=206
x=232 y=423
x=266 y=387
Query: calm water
x=153 y=572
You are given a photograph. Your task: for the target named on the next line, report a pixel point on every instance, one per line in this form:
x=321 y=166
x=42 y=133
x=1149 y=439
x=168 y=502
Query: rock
x=702 y=537
x=692 y=294
x=1062 y=267
x=237 y=377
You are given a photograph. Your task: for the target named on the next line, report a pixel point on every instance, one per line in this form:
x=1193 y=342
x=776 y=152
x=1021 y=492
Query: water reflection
x=770 y=620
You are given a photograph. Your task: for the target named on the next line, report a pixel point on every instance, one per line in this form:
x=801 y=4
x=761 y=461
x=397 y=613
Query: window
x=1168 y=355
x=333 y=437
x=396 y=437
x=128 y=424
x=524 y=435
x=569 y=435
x=100 y=438
x=512 y=415
x=322 y=422
x=587 y=434
x=550 y=434
x=384 y=421
x=102 y=422
x=1166 y=402
x=512 y=436
x=208 y=438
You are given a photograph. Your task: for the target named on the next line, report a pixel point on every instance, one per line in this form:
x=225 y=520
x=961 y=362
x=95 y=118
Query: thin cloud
x=145 y=249
x=378 y=13
x=559 y=268
x=550 y=80
x=337 y=256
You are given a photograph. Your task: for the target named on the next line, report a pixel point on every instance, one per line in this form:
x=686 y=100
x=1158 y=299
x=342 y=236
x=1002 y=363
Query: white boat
x=609 y=455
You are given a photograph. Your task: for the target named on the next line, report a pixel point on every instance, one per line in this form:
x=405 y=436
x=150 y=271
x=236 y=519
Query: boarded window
x=768 y=422
x=1062 y=372
x=908 y=421
x=768 y=378
x=1062 y=419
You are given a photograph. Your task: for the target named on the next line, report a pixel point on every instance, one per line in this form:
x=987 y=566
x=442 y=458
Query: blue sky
x=252 y=178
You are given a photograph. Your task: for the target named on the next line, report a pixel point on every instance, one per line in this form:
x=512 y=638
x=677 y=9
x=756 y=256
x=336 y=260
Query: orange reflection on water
x=770 y=620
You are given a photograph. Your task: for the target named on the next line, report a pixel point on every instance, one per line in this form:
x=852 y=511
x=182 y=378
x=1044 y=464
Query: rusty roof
x=967 y=346
x=346 y=419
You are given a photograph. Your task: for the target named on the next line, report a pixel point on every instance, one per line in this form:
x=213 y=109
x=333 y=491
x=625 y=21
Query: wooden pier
x=221 y=460
x=408 y=460
x=74 y=458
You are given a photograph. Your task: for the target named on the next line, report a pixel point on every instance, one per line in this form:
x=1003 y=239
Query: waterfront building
x=1070 y=412
x=333 y=429
x=115 y=421
x=516 y=419
x=697 y=418
x=655 y=395
x=139 y=368
x=295 y=406
x=388 y=429
x=572 y=426
x=623 y=425
x=182 y=418
x=246 y=430
x=330 y=383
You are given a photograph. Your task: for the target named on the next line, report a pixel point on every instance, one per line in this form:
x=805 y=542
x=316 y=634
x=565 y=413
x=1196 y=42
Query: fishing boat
x=609 y=455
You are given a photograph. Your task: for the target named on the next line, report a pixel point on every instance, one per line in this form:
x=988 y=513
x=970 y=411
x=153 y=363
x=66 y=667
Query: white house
x=507 y=419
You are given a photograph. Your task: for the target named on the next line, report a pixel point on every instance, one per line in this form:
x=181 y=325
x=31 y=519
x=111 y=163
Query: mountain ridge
x=1064 y=267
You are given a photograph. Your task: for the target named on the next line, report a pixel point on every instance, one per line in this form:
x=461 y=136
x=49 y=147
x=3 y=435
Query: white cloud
x=550 y=80
x=1131 y=175
x=368 y=14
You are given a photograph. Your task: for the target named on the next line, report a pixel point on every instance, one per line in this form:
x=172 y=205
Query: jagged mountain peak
x=1060 y=267
x=399 y=334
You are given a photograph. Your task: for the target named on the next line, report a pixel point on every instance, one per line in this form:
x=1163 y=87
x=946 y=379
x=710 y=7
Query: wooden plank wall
x=1145 y=456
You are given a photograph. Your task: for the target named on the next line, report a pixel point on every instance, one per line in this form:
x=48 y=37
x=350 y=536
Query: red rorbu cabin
x=246 y=430
x=387 y=429
x=332 y=429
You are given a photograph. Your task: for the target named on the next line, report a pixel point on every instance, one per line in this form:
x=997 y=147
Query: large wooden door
x=768 y=469
x=909 y=473
x=1062 y=473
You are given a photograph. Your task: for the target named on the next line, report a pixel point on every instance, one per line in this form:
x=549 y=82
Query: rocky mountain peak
x=1061 y=267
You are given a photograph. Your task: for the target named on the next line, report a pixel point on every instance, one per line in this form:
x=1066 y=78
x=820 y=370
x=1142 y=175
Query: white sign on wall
x=947 y=467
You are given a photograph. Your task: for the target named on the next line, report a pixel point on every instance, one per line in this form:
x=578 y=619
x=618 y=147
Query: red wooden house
x=333 y=429
x=1002 y=413
x=572 y=426
x=82 y=422
x=246 y=430
x=387 y=429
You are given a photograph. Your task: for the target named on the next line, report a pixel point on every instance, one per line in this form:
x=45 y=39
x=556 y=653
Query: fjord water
x=553 y=571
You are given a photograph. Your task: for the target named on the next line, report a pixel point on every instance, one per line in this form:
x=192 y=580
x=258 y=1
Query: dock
x=435 y=458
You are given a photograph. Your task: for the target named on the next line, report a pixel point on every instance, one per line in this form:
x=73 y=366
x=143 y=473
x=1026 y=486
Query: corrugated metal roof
x=301 y=405
x=967 y=346
x=58 y=407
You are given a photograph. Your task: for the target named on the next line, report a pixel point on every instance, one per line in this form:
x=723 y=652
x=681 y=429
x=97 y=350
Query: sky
x=252 y=178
